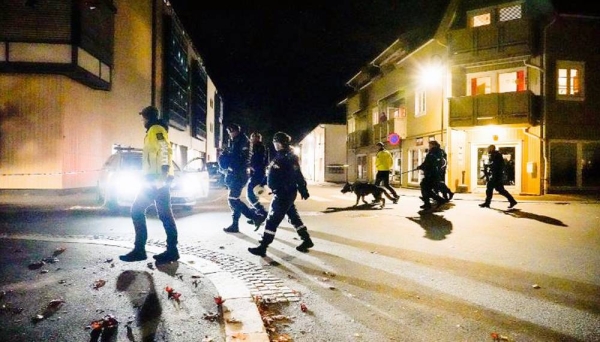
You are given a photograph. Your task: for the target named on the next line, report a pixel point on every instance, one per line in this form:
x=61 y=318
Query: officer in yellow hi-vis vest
x=384 y=163
x=157 y=166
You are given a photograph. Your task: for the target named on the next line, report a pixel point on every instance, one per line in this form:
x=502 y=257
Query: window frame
x=420 y=102
x=570 y=65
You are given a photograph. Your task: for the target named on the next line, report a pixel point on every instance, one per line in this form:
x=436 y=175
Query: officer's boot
x=170 y=255
x=306 y=241
x=137 y=254
x=233 y=228
x=261 y=249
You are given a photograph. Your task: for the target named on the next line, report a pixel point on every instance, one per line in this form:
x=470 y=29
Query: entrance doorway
x=512 y=166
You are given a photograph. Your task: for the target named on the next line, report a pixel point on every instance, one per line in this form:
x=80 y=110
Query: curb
x=241 y=318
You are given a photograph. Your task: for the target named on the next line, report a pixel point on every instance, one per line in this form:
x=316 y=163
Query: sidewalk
x=54 y=289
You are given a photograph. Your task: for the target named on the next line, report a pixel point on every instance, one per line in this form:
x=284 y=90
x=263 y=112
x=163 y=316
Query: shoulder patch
x=160 y=136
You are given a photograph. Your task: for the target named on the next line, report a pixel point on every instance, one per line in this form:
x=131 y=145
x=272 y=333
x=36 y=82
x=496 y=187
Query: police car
x=121 y=178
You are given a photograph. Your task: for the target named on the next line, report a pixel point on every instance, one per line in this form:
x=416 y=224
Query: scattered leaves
x=99 y=283
x=171 y=294
x=219 y=301
x=50 y=309
x=107 y=322
x=59 y=251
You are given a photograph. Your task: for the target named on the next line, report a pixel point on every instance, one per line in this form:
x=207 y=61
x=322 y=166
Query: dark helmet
x=282 y=138
x=150 y=113
x=233 y=127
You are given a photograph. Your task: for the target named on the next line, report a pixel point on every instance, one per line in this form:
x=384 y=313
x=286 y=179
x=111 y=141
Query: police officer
x=495 y=172
x=258 y=166
x=236 y=161
x=431 y=177
x=285 y=180
x=157 y=166
x=383 y=163
x=442 y=159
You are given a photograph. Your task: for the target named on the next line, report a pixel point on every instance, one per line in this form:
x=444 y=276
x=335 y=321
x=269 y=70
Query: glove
x=304 y=194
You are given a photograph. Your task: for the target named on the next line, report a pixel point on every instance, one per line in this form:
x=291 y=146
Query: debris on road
x=212 y=317
x=99 y=283
x=171 y=294
x=59 y=251
x=49 y=310
x=536 y=286
x=497 y=337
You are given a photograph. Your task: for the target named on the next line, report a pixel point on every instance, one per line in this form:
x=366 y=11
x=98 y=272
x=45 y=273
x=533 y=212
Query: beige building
x=508 y=74
x=74 y=76
x=323 y=154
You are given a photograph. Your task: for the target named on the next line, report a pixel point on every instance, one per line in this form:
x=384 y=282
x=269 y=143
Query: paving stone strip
x=230 y=273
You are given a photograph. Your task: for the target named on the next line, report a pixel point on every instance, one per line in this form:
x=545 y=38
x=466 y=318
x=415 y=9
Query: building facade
x=323 y=154
x=503 y=73
x=75 y=74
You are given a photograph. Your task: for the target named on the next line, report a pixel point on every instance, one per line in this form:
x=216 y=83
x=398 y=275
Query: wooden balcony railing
x=358 y=139
x=507 y=39
x=498 y=109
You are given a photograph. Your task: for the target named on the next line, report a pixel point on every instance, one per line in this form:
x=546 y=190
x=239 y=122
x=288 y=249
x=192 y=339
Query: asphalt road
x=461 y=273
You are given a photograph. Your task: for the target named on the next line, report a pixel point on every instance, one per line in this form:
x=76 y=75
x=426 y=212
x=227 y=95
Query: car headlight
x=127 y=184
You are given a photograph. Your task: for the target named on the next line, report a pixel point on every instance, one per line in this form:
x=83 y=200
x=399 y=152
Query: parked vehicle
x=216 y=178
x=121 y=178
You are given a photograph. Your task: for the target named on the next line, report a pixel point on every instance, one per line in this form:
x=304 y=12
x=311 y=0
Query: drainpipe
x=545 y=105
x=153 y=53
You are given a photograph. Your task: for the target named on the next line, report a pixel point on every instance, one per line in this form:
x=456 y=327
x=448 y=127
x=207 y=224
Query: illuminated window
x=570 y=80
x=510 y=13
x=375 y=116
x=420 y=101
x=511 y=81
x=482 y=19
x=481 y=85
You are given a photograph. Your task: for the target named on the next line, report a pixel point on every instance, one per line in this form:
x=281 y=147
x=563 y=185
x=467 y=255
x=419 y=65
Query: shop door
x=512 y=167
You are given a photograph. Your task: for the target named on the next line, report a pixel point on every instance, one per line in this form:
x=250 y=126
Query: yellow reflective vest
x=383 y=160
x=157 y=151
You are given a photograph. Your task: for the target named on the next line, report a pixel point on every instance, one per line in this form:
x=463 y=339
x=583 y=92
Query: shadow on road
x=140 y=288
x=368 y=206
x=518 y=213
x=436 y=226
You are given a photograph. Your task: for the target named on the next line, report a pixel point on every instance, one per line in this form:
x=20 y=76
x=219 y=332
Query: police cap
x=282 y=138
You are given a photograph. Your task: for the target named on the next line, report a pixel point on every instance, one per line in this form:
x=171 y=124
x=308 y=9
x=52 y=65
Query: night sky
x=286 y=69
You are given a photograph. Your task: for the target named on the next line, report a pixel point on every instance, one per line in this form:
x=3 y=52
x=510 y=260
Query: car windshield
x=131 y=161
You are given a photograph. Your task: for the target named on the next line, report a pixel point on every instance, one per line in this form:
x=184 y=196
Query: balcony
x=72 y=38
x=382 y=130
x=503 y=40
x=358 y=139
x=495 y=109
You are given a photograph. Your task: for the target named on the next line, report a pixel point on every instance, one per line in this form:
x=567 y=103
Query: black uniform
x=431 y=178
x=285 y=180
x=236 y=159
x=495 y=173
x=442 y=187
x=258 y=165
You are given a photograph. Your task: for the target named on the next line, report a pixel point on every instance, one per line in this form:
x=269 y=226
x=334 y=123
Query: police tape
x=48 y=173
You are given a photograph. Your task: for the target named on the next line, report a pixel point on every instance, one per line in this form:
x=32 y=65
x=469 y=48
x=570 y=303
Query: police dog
x=364 y=189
